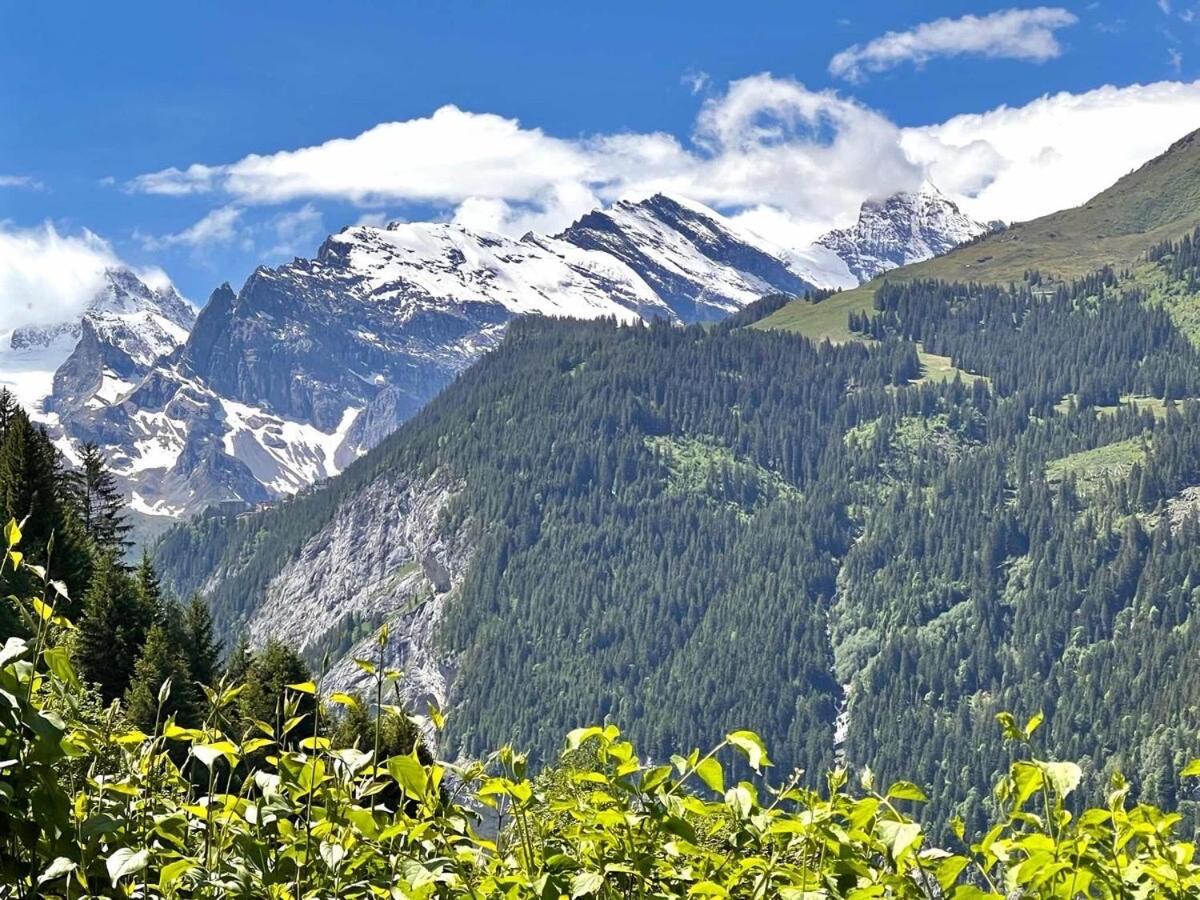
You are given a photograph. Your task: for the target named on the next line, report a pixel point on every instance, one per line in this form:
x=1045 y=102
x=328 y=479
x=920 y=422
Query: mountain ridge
x=283 y=382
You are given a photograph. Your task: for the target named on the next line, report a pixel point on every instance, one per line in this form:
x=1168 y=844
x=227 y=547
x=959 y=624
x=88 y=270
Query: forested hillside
x=684 y=530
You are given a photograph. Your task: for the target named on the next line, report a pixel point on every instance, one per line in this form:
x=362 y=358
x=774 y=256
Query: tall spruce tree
x=112 y=632
x=200 y=647
x=160 y=661
x=33 y=489
x=101 y=507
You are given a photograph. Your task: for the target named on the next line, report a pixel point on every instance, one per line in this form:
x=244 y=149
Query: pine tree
x=270 y=672
x=200 y=646
x=32 y=488
x=113 y=629
x=100 y=505
x=159 y=661
x=148 y=584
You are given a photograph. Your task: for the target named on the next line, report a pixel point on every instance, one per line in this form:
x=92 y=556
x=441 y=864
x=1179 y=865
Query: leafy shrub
x=91 y=808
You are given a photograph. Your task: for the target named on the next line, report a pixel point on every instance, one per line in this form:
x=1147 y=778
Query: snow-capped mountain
x=702 y=265
x=312 y=363
x=91 y=361
x=904 y=228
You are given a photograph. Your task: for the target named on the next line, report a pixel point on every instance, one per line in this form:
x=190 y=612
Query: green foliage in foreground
x=89 y=809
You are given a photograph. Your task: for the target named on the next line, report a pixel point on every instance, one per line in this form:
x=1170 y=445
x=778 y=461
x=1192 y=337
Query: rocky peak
x=903 y=228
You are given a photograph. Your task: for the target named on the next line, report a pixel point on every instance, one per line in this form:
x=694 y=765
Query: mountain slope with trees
x=682 y=529
x=1160 y=201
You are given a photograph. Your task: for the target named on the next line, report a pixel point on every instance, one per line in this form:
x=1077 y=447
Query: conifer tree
x=148 y=584
x=32 y=489
x=113 y=629
x=99 y=502
x=270 y=671
x=199 y=644
x=159 y=662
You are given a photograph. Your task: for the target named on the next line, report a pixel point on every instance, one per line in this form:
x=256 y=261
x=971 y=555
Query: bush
x=88 y=809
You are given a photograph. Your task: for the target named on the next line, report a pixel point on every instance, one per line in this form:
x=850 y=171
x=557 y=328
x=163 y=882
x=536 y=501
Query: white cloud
x=1018 y=163
x=1025 y=34
x=217 y=227
x=47 y=277
x=295 y=231
x=1174 y=59
x=20 y=181
x=790 y=161
x=694 y=80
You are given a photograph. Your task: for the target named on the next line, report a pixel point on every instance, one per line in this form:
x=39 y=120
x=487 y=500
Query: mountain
x=688 y=530
x=904 y=228
x=700 y=264
x=1158 y=201
x=86 y=364
x=312 y=363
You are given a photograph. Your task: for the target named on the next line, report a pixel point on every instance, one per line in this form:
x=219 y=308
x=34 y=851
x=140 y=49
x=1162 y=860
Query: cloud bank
x=789 y=160
x=47 y=277
x=1023 y=34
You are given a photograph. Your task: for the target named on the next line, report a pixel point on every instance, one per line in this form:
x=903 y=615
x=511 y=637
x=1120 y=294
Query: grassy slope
x=1157 y=201
x=1091 y=466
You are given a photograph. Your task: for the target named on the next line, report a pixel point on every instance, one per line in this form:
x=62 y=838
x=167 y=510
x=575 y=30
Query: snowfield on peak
x=440 y=263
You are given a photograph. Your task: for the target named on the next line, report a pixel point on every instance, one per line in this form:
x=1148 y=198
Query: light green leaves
x=898 y=837
x=906 y=790
x=710 y=772
x=409 y=774
x=752 y=746
x=57 y=869
x=586 y=884
x=125 y=862
x=210 y=753
x=12 y=533
x=14 y=648
x=1063 y=777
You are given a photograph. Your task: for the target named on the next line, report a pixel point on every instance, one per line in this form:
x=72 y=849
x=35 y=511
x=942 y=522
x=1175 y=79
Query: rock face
x=700 y=265
x=901 y=229
x=382 y=558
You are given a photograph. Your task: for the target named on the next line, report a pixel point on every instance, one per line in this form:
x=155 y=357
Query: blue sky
x=101 y=102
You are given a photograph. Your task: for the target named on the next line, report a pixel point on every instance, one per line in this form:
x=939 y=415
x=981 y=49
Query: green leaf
x=1062 y=776
x=173 y=871
x=710 y=772
x=126 y=862
x=58 y=661
x=906 y=790
x=1033 y=724
x=409 y=774
x=751 y=745
x=304 y=687
x=210 y=753
x=13 y=648
x=586 y=883
x=57 y=869
x=576 y=738
x=1191 y=770
x=1008 y=726
x=898 y=836
x=12 y=533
